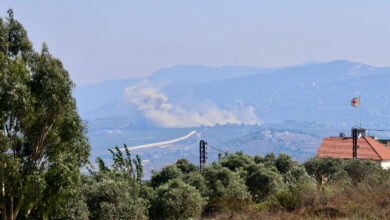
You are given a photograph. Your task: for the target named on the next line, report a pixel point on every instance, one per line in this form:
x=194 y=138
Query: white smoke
x=156 y=108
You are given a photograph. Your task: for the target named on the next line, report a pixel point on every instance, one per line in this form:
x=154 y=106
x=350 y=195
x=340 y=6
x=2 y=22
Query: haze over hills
x=318 y=92
x=258 y=110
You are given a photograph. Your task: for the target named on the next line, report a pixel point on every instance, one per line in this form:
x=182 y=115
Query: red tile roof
x=342 y=147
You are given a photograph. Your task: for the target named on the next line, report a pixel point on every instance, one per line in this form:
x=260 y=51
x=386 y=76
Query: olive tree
x=111 y=196
x=324 y=169
x=223 y=182
x=42 y=138
x=263 y=181
x=176 y=200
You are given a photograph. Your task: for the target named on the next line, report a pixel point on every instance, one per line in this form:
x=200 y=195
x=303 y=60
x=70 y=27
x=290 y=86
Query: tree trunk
x=17 y=209
x=12 y=212
x=3 y=212
x=11 y=209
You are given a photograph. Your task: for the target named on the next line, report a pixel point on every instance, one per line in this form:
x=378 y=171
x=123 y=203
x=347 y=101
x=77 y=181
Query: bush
x=284 y=163
x=269 y=160
x=359 y=170
x=263 y=181
x=196 y=180
x=289 y=199
x=223 y=182
x=114 y=197
x=227 y=206
x=76 y=209
x=185 y=167
x=176 y=200
x=169 y=172
x=236 y=161
x=323 y=169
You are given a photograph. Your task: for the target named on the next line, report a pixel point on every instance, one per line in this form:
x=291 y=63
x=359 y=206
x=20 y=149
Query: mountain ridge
x=319 y=91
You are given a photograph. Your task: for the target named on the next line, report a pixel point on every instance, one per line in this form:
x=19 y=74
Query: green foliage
x=293 y=197
x=284 y=163
x=77 y=208
x=231 y=186
x=197 y=180
x=113 y=192
x=263 y=181
x=235 y=161
x=177 y=200
x=123 y=164
x=42 y=138
x=167 y=173
x=324 y=168
x=223 y=182
x=101 y=166
x=186 y=167
x=358 y=170
x=114 y=197
x=288 y=199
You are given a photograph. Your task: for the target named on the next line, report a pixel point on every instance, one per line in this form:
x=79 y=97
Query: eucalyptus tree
x=42 y=138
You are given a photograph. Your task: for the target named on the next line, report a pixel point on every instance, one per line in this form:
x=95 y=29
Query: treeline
x=236 y=185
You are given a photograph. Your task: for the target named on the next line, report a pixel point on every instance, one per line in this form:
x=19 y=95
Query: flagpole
x=356 y=103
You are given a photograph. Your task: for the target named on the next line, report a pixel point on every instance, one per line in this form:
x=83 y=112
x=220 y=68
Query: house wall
x=385 y=164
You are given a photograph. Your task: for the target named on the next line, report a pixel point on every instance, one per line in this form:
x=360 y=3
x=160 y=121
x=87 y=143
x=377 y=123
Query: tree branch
x=42 y=139
x=11 y=207
x=2 y=188
x=18 y=206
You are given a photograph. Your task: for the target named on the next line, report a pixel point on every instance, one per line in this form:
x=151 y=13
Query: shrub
x=323 y=169
x=167 y=173
x=269 y=160
x=176 y=200
x=236 y=161
x=284 y=163
x=186 y=167
x=263 y=181
x=196 y=180
x=223 y=182
x=359 y=170
x=114 y=197
x=289 y=199
x=225 y=205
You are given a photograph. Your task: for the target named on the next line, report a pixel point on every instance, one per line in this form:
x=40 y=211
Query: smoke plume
x=155 y=107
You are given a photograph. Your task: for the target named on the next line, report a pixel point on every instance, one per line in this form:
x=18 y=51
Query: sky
x=99 y=40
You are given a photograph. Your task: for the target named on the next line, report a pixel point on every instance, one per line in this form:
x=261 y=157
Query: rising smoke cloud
x=155 y=107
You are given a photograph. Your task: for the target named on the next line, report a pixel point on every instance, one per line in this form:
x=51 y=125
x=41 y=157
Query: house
x=368 y=148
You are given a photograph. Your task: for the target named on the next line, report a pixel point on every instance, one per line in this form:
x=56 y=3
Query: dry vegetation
x=361 y=202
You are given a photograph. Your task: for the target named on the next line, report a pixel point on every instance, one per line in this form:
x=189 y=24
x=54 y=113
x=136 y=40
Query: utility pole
x=354 y=142
x=202 y=153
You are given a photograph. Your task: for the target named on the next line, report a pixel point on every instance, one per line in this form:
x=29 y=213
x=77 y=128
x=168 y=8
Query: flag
x=356 y=102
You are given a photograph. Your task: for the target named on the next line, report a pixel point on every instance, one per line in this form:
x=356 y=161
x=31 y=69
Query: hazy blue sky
x=98 y=40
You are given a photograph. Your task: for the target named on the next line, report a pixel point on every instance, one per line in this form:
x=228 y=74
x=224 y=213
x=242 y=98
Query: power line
x=216 y=148
x=372 y=129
